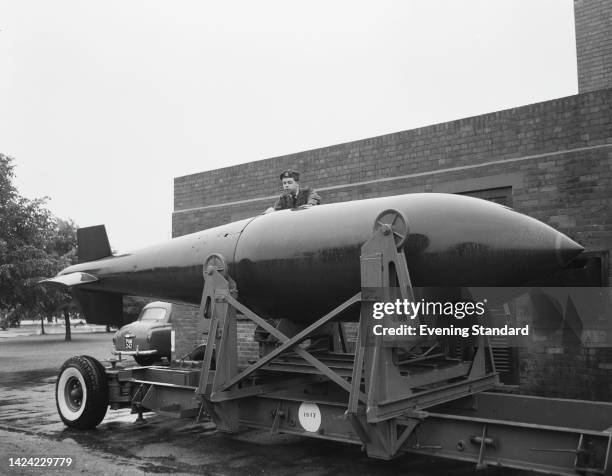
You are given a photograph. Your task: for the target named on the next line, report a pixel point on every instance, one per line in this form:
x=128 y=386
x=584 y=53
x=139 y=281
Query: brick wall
x=556 y=156
x=189 y=332
x=593 y=43
x=185 y=324
x=557 y=363
x=248 y=349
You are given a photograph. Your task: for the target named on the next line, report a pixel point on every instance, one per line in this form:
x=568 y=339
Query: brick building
x=593 y=20
x=550 y=160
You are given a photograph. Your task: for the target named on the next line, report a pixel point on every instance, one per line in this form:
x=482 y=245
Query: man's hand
x=301 y=207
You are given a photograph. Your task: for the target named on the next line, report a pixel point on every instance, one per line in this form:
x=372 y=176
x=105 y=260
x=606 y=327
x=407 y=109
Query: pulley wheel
x=215 y=261
x=396 y=222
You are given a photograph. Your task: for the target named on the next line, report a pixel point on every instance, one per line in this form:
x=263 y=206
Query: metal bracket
x=279 y=413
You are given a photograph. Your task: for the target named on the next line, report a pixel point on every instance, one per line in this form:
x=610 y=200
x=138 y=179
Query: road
x=30 y=427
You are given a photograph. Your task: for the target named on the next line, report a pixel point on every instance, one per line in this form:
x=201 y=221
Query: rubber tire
x=91 y=375
x=146 y=359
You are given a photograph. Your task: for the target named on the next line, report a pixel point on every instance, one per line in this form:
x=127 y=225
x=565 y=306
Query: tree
x=26 y=228
x=67 y=308
x=61 y=252
x=33 y=245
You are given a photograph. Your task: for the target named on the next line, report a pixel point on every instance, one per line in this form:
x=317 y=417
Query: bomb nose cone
x=566 y=249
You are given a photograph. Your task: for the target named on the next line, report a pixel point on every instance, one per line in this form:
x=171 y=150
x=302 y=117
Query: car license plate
x=128 y=344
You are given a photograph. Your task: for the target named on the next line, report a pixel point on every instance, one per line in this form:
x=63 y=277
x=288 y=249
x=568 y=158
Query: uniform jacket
x=305 y=196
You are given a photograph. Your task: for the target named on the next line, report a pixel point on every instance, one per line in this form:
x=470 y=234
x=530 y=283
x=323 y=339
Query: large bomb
x=298 y=264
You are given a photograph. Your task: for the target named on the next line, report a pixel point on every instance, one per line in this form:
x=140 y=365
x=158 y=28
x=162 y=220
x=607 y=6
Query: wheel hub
x=74 y=393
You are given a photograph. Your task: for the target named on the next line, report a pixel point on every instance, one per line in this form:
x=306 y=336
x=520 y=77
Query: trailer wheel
x=81 y=392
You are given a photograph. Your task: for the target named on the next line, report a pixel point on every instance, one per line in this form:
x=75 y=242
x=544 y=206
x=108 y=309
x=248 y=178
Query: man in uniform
x=293 y=195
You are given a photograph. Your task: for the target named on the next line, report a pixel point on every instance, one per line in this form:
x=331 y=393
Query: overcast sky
x=103 y=104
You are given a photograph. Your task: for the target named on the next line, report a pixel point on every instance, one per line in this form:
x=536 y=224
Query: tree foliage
x=132 y=305
x=33 y=245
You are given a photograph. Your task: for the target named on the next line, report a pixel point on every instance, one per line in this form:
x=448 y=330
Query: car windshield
x=153 y=314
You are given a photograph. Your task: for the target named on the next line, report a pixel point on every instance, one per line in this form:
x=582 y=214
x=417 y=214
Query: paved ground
x=30 y=427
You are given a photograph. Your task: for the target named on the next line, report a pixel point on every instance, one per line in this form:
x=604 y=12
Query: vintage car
x=149 y=338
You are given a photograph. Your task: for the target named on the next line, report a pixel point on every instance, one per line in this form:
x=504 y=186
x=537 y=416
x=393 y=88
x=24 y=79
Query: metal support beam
x=291 y=343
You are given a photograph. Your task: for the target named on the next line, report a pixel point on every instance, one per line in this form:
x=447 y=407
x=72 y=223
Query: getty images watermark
x=404 y=309
x=511 y=316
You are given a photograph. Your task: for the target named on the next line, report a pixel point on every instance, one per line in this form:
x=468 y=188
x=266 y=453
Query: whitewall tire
x=81 y=392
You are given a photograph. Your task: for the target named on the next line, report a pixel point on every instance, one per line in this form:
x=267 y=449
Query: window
x=153 y=314
x=501 y=195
